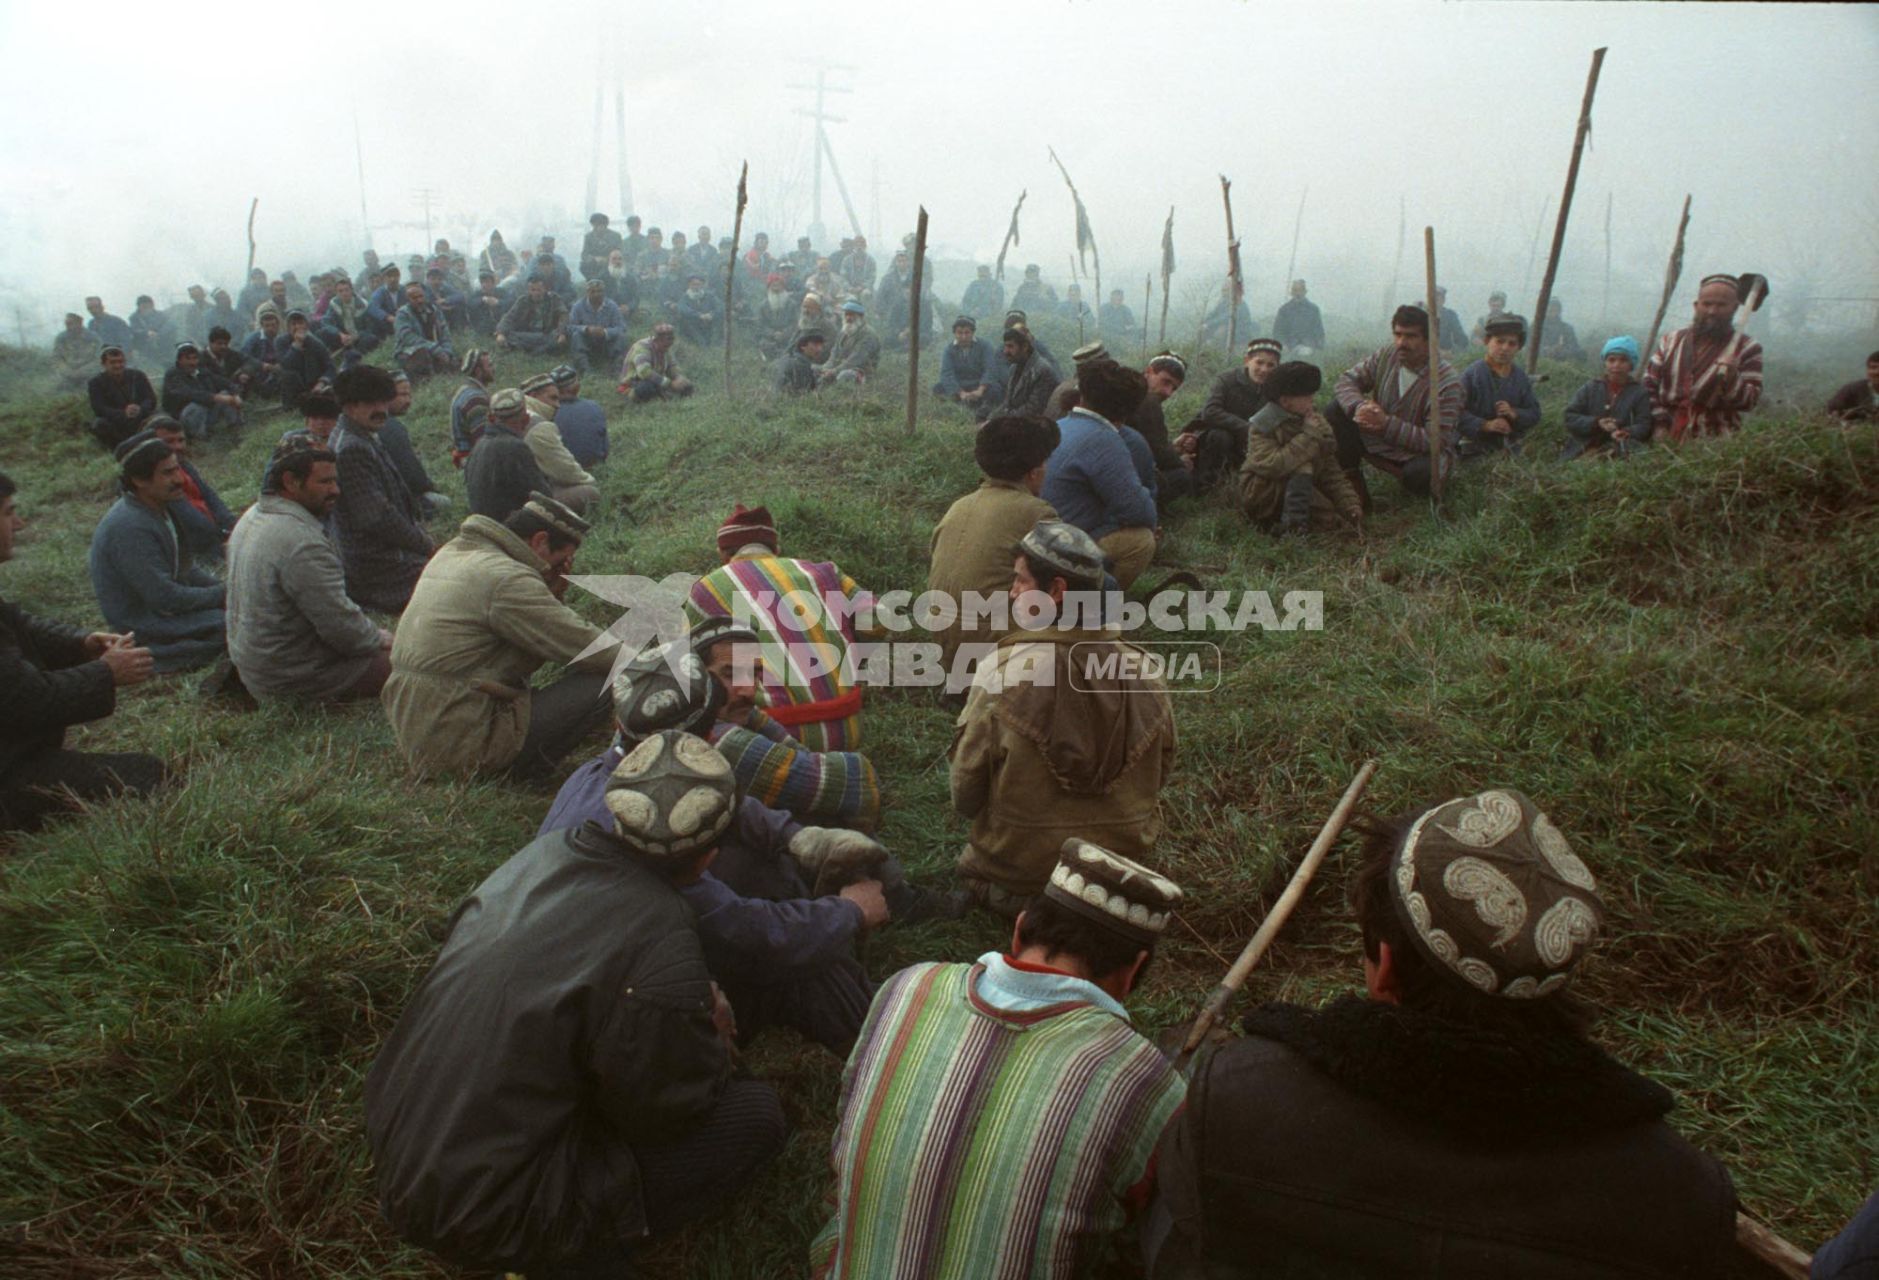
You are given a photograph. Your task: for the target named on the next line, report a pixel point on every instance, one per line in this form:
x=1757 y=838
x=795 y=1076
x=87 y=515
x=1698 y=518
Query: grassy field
x=1675 y=657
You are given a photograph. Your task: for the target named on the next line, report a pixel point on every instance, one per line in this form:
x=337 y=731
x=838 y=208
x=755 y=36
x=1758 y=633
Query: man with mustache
x=1702 y=379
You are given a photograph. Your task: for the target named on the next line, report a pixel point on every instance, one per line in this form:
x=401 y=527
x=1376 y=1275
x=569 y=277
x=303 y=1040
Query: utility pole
x=424 y=196
x=610 y=65
x=822 y=88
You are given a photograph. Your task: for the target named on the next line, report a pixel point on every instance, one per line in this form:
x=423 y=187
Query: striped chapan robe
x=1405 y=437
x=1688 y=401
x=985 y=1142
x=815 y=787
x=805 y=689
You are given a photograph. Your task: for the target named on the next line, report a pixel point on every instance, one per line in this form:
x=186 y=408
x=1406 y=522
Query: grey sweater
x=292 y=630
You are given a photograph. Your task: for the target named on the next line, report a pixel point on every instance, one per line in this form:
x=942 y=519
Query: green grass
x=1675 y=657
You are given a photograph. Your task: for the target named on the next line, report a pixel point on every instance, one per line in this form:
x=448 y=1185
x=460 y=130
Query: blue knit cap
x=1624 y=345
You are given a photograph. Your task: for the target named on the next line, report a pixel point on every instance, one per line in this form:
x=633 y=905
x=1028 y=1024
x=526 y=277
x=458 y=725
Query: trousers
x=52 y=782
x=558 y=718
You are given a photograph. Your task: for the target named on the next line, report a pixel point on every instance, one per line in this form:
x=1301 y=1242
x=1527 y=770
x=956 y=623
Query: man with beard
x=1031 y=379
x=598 y=244
x=293 y=633
x=857 y=349
x=537 y=323
x=1299 y=325
x=775 y=319
x=968 y=369
x=1702 y=379
x=620 y=282
x=985 y=297
x=121 y=398
x=1219 y=446
x=380 y=522
x=200 y=399
x=1380 y=410
x=697 y=312
x=421 y=335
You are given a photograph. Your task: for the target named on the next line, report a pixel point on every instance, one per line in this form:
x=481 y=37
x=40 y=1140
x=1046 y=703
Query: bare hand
x=99 y=641
x=1505 y=410
x=1498 y=426
x=133 y=411
x=867 y=895
x=1370 y=416
x=128 y=665
x=384 y=639
x=1608 y=425
x=724 y=1019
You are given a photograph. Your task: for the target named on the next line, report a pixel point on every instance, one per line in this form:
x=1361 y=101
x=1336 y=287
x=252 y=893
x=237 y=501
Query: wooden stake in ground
x=1086 y=244
x=1434 y=374
x=1759 y=1242
x=730 y=277
x=918 y=312
x=1011 y=235
x=252 y=206
x=1672 y=274
x=1565 y=210
x=1148 y=291
x=1233 y=270
x=1167 y=270
x=1230 y=985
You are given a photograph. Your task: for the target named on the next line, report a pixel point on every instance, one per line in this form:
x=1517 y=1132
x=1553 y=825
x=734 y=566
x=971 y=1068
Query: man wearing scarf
x=1702 y=379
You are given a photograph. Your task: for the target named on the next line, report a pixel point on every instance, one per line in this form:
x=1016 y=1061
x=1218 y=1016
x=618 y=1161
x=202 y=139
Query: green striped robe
x=981 y=1144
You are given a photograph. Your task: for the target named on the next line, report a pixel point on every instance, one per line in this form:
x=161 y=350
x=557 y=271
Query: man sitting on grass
x=1858 y=400
x=56 y=676
x=560 y=1085
x=1380 y=408
x=1457 y=1122
x=1095 y=480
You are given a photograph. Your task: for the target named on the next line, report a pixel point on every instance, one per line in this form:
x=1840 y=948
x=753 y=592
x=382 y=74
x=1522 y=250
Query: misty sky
x=139 y=136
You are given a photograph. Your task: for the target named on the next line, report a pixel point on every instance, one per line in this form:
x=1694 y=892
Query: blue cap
x=853 y=308
x=1624 y=345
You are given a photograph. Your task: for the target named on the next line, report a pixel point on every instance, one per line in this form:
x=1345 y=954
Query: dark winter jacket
x=1368 y=1139
x=47 y=681
x=110 y=396
x=567 y=1019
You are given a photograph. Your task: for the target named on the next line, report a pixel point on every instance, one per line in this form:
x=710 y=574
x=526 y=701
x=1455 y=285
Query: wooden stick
x=1011 y=234
x=730 y=279
x=1672 y=274
x=1298 y=225
x=252 y=206
x=918 y=313
x=1565 y=210
x=1148 y=291
x=1759 y=1242
x=1533 y=252
x=1435 y=369
x=1230 y=985
x=1233 y=270
x=1167 y=270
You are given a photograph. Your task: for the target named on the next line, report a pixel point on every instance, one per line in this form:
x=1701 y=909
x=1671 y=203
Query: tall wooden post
x=1148 y=291
x=1671 y=275
x=252 y=206
x=730 y=277
x=1565 y=210
x=1434 y=375
x=918 y=312
x=1167 y=270
x=1233 y=270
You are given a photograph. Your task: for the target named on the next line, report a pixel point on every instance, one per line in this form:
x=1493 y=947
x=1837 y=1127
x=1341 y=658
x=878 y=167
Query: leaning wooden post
x=917 y=312
x=1230 y=985
x=1148 y=291
x=730 y=277
x=1233 y=270
x=1759 y=1242
x=252 y=206
x=1565 y=210
x=1011 y=234
x=1435 y=371
x=1167 y=270
x=1672 y=274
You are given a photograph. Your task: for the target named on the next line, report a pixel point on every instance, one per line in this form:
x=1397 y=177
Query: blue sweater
x=756 y=919
x=146 y=585
x=1481 y=388
x=583 y=427
x=1092 y=479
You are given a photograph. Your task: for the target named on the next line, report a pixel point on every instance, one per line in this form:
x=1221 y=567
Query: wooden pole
x=730 y=277
x=918 y=312
x=1075 y=279
x=1533 y=250
x=1233 y=270
x=1011 y=235
x=1672 y=274
x=1565 y=210
x=1148 y=291
x=1230 y=985
x=1435 y=369
x=252 y=206
x=1298 y=225
x=1167 y=270
x=1759 y=1242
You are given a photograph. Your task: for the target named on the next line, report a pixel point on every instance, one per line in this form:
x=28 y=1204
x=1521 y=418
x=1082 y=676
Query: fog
x=140 y=136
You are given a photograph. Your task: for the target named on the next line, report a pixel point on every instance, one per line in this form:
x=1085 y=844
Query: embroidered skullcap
x=1293 y=378
x=508 y=403
x=189 y=347
x=1015 y=318
x=1112 y=892
x=672 y=797
x=665 y=688
x=712 y=631
x=853 y=307
x=1271 y=346
x=110 y=351
x=537 y=382
x=1063 y=551
x=471 y=358
x=140 y=449
x=745 y=526
x=1506 y=325
x=557 y=516
x=564 y=375
x=966 y=322
x=1492 y=893
x=1734 y=282
x=1171 y=362
x=1624 y=345
x=1089 y=351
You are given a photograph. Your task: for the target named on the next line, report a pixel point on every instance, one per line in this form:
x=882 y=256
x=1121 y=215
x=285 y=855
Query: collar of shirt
x=1084 y=411
x=1016 y=987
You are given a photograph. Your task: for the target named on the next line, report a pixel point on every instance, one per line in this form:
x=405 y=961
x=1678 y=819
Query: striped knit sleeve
x=782 y=773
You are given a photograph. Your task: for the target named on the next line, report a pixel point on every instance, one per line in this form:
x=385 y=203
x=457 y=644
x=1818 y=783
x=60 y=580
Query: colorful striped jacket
x=804 y=613
x=989 y=1141
x=1688 y=399
x=1405 y=435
